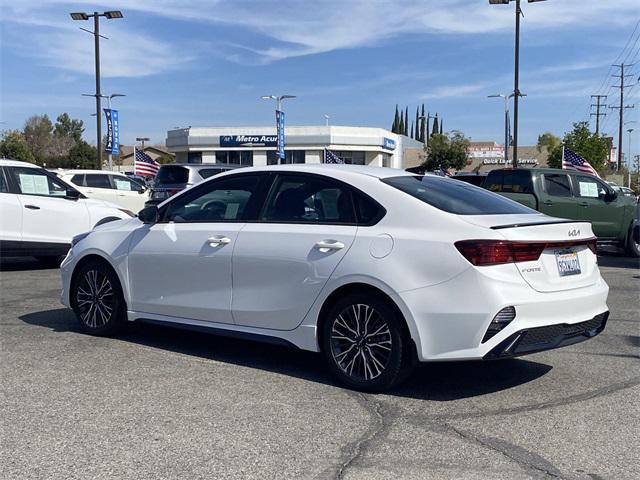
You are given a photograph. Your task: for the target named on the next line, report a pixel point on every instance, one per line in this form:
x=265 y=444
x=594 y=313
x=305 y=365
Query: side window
x=224 y=200
x=494 y=181
x=78 y=180
x=4 y=188
x=557 y=185
x=368 y=211
x=309 y=199
x=123 y=183
x=33 y=181
x=590 y=188
x=97 y=180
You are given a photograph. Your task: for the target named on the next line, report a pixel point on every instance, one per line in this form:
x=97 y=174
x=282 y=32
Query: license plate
x=568 y=263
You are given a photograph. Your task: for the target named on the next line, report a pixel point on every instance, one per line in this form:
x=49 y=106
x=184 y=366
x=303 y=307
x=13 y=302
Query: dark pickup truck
x=573 y=195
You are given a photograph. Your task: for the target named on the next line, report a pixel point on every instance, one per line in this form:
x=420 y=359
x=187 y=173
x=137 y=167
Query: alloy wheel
x=361 y=342
x=95 y=299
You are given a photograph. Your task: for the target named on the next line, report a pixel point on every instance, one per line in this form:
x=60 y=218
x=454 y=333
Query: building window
x=291 y=156
x=194 y=157
x=353 y=158
x=386 y=160
x=235 y=157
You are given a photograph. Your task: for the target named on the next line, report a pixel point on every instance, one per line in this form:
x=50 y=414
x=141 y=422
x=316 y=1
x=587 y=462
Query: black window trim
x=353 y=192
x=6 y=181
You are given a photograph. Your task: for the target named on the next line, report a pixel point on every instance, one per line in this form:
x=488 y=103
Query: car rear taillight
x=498 y=252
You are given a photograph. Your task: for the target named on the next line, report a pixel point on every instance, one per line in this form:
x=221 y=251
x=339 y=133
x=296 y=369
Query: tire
x=633 y=247
x=97 y=300
x=357 y=356
x=52 y=261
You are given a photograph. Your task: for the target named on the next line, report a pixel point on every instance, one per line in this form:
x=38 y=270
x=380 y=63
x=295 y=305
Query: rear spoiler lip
x=533 y=224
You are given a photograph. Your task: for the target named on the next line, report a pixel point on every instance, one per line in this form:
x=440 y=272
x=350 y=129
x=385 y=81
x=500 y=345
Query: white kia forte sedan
x=376 y=268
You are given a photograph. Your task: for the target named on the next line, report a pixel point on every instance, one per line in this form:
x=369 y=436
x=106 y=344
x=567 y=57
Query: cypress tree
x=441 y=122
x=435 y=126
x=417 y=132
x=422 y=125
x=412 y=129
x=396 y=121
x=400 y=129
x=406 y=121
x=426 y=140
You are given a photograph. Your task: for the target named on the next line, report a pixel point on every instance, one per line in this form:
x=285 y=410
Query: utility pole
x=598 y=105
x=621 y=108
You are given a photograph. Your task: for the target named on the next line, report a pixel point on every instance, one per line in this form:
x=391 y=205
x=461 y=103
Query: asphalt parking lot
x=164 y=403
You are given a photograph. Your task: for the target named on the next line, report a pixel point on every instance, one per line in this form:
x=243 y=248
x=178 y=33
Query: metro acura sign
x=248 y=140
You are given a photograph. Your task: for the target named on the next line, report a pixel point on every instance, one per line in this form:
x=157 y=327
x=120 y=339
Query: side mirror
x=610 y=196
x=149 y=214
x=142 y=190
x=72 y=194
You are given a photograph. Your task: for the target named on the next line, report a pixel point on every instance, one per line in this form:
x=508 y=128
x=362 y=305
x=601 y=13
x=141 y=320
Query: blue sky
x=206 y=63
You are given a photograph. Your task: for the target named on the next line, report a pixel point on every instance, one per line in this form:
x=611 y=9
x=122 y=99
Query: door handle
x=218 y=240
x=326 y=245
x=32 y=207
x=548 y=203
x=584 y=204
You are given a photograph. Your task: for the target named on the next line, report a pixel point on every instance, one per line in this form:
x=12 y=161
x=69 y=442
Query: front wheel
x=97 y=299
x=364 y=343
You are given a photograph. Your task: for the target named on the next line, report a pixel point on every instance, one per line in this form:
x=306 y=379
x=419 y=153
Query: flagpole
x=562 y=159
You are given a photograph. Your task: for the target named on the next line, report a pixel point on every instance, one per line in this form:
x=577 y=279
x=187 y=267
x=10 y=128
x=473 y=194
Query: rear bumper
x=537 y=339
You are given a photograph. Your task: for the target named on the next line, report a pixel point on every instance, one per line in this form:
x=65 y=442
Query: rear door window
x=172 y=174
x=557 y=184
x=78 y=180
x=210 y=172
x=97 y=180
x=456 y=197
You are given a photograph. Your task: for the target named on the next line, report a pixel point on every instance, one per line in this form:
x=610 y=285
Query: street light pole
x=96 y=34
x=326 y=120
x=278 y=99
x=516 y=77
x=630 y=158
x=108 y=97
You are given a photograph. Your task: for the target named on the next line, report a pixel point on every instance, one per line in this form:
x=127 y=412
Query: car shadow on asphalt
x=18 y=264
x=442 y=381
x=616 y=260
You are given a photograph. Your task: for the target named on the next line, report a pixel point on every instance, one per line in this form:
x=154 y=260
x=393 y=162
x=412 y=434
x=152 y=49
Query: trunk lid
x=566 y=262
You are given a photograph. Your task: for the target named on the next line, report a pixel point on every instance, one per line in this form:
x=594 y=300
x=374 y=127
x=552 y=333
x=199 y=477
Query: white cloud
x=456 y=91
x=299 y=27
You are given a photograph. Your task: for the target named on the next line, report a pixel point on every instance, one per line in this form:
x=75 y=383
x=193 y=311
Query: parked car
x=110 y=186
x=635 y=229
x=175 y=177
x=375 y=267
x=570 y=194
x=40 y=213
x=476 y=179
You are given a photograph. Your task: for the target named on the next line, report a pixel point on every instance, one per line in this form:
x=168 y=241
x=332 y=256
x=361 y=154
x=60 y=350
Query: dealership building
x=304 y=144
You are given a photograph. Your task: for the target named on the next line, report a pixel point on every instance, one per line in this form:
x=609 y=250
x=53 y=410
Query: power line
x=621 y=108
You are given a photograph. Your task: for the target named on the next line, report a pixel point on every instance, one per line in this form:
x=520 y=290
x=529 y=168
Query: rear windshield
x=456 y=197
x=210 y=172
x=172 y=174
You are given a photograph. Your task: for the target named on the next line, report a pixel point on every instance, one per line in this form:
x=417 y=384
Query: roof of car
x=332 y=169
x=201 y=165
x=540 y=170
x=83 y=171
x=6 y=162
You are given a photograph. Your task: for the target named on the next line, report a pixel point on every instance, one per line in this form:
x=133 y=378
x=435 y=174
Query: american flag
x=330 y=157
x=144 y=165
x=572 y=161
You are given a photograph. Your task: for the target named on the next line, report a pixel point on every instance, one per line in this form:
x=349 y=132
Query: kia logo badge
x=574 y=233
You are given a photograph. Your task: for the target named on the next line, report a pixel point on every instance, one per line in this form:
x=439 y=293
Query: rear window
x=456 y=197
x=509 y=181
x=210 y=172
x=172 y=174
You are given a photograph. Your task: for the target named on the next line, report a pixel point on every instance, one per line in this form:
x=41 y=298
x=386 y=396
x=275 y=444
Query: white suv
x=110 y=186
x=40 y=213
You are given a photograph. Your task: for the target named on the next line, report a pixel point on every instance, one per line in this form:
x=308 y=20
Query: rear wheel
x=97 y=299
x=365 y=344
x=633 y=247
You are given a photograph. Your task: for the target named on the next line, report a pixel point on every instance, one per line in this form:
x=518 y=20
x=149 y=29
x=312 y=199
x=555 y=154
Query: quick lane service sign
x=113 y=132
x=248 y=140
x=388 y=143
